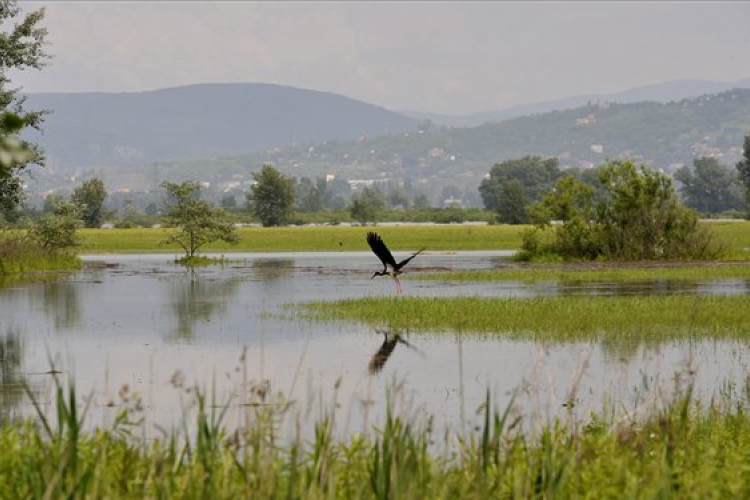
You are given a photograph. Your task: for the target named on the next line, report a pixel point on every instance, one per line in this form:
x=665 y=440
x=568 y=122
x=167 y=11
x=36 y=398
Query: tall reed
x=685 y=449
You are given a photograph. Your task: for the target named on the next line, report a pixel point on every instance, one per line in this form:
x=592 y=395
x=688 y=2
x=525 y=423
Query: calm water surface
x=159 y=329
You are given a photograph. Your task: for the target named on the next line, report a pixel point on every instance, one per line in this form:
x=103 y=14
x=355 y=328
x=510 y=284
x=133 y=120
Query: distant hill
x=87 y=130
x=660 y=92
x=440 y=159
x=444 y=161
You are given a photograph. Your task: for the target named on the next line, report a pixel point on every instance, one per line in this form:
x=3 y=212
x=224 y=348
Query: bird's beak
x=373 y=275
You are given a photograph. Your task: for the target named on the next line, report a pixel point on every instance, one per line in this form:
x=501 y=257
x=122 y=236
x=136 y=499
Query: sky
x=440 y=57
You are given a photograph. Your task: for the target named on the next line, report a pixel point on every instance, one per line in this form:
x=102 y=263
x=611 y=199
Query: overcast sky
x=442 y=57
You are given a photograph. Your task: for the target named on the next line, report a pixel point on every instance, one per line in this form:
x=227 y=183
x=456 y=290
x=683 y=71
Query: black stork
x=390 y=266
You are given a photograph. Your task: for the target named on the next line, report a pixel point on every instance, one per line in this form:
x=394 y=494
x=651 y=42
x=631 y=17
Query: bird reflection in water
x=390 y=341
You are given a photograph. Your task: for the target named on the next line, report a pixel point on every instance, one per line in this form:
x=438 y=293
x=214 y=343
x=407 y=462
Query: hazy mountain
x=88 y=130
x=660 y=92
x=444 y=161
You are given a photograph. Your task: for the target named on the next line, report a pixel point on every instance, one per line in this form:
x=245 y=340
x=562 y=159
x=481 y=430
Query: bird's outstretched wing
x=379 y=249
x=406 y=261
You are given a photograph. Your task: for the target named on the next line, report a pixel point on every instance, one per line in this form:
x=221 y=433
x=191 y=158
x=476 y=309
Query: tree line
x=512 y=188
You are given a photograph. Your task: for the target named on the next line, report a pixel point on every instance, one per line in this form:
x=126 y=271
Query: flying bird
x=390 y=266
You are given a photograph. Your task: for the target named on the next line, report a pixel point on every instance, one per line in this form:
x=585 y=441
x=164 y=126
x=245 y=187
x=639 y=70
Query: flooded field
x=141 y=328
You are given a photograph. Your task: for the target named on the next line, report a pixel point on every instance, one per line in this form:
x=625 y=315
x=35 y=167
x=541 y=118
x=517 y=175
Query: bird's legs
x=398 y=285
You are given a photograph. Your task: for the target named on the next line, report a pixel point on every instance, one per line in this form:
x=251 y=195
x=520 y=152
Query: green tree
x=56 y=230
x=21 y=47
x=90 y=197
x=639 y=218
x=310 y=197
x=569 y=199
x=512 y=205
x=12 y=152
x=643 y=218
x=228 y=202
x=398 y=198
x=572 y=202
x=152 y=208
x=709 y=187
x=421 y=202
x=536 y=176
x=366 y=206
x=271 y=198
x=198 y=221
x=743 y=168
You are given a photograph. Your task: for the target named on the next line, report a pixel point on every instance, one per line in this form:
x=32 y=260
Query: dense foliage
x=90 y=198
x=271 y=198
x=640 y=218
x=56 y=230
x=710 y=187
x=743 y=169
x=515 y=184
x=21 y=47
x=367 y=205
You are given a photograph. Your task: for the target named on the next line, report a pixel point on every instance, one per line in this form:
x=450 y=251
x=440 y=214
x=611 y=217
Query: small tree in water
x=198 y=221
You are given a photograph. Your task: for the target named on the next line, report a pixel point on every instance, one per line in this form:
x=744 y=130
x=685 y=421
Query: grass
x=315 y=239
x=734 y=235
x=561 y=319
x=599 y=274
x=683 y=450
x=19 y=256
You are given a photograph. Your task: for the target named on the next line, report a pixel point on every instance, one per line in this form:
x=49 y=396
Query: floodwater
x=142 y=332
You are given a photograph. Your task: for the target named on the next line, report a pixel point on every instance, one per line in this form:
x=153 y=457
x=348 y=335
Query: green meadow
x=314 y=239
x=735 y=236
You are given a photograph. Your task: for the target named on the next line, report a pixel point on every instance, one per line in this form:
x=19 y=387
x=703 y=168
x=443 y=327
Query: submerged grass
x=563 y=319
x=604 y=274
x=684 y=450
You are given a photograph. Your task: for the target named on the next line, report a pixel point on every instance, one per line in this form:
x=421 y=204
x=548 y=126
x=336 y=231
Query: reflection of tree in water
x=11 y=379
x=197 y=299
x=269 y=269
x=60 y=299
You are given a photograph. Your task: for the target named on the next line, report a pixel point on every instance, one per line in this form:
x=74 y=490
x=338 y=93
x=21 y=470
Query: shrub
x=640 y=217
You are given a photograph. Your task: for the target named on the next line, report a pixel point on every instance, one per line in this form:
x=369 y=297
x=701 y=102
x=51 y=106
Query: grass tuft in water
x=200 y=260
x=18 y=255
x=563 y=319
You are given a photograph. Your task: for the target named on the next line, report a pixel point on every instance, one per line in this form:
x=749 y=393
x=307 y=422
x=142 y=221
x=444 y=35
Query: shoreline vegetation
x=675 y=447
x=450 y=237
x=734 y=236
x=19 y=256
